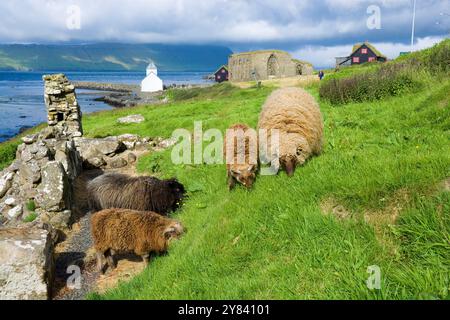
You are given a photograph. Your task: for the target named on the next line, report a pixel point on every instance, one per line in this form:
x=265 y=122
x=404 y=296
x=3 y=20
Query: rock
x=136 y=118
x=30 y=139
x=93 y=159
x=107 y=146
x=132 y=158
x=26 y=264
x=118 y=163
x=67 y=154
x=10 y=201
x=129 y=140
x=165 y=144
x=53 y=192
x=6 y=183
x=15 y=212
x=30 y=172
x=61 y=219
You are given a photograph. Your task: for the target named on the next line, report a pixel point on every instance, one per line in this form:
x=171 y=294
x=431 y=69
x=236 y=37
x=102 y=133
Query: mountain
x=111 y=57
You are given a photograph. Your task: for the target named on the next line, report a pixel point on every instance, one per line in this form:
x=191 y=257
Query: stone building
x=266 y=64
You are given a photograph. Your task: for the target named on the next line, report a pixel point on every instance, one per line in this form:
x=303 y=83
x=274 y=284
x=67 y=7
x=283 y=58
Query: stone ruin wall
x=241 y=66
x=40 y=182
x=63 y=111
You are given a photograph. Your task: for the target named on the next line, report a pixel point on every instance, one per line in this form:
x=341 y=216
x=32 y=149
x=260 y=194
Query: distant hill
x=111 y=57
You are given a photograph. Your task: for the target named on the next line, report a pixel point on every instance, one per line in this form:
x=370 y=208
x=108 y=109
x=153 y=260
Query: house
x=221 y=74
x=361 y=53
x=152 y=83
x=264 y=65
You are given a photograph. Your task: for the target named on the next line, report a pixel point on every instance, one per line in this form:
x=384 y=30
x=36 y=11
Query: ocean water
x=22 y=94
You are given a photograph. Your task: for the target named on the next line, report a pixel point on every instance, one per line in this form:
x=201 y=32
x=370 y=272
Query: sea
x=22 y=94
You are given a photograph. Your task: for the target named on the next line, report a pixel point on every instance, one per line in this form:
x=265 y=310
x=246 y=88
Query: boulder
x=53 y=192
x=129 y=140
x=30 y=172
x=135 y=118
x=106 y=146
x=67 y=154
x=26 y=264
x=6 y=183
x=118 y=163
x=30 y=139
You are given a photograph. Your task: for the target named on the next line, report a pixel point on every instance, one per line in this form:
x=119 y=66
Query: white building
x=152 y=83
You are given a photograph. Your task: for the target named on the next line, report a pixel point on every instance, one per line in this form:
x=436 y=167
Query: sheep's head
x=290 y=159
x=245 y=174
x=173 y=232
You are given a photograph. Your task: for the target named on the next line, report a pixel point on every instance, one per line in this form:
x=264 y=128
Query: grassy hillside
x=112 y=57
x=374 y=197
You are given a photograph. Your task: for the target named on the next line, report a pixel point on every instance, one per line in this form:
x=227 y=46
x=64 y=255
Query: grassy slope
x=274 y=242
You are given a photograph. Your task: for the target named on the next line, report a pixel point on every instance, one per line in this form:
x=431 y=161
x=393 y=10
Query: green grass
x=274 y=242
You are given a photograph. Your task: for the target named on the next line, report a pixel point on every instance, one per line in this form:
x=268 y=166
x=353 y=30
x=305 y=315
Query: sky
x=314 y=30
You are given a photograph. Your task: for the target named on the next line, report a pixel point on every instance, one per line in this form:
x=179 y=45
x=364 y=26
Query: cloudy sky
x=314 y=30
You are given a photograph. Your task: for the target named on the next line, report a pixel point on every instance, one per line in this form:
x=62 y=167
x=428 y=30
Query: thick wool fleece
x=296 y=114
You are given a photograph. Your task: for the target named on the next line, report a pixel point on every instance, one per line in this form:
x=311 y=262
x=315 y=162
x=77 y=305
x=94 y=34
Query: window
x=223 y=70
x=355 y=59
x=371 y=59
x=364 y=51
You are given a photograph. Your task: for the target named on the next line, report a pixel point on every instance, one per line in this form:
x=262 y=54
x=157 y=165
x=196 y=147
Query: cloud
x=225 y=21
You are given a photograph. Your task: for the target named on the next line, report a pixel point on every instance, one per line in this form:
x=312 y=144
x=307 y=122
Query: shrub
x=31 y=206
x=31 y=217
x=388 y=80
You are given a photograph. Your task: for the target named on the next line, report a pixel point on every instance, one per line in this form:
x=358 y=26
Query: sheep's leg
x=231 y=182
x=146 y=259
x=110 y=259
x=100 y=257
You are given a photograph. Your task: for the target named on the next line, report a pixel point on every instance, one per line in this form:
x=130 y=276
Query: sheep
x=241 y=154
x=297 y=116
x=129 y=231
x=113 y=190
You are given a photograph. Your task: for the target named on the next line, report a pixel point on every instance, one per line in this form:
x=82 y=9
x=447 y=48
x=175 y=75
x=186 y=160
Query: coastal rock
x=26 y=264
x=136 y=118
x=6 y=183
x=52 y=193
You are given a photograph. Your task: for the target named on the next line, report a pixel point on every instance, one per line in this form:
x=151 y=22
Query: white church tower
x=152 y=83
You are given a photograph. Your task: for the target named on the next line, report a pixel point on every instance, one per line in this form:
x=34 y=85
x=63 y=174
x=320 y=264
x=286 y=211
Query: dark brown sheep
x=128 y=231
x=114 y=190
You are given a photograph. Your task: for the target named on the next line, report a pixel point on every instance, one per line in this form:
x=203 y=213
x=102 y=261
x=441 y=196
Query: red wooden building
x=221 y=74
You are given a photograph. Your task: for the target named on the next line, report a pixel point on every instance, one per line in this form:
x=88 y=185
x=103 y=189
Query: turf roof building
x=361 y=53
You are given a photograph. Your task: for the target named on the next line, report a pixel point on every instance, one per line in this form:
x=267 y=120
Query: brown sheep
x=241 y=159
x=128 y=231
x=114 y=190
x=296 y=114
